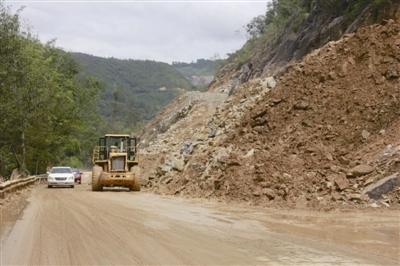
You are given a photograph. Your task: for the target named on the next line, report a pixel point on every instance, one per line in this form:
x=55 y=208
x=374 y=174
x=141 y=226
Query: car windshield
x=75 y=170
x=61 y=170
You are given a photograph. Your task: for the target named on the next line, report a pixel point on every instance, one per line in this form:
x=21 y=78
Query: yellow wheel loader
x=115 y=163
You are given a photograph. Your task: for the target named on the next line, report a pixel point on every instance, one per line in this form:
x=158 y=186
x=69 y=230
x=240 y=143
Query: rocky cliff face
x=320 y=27
x=322 y=133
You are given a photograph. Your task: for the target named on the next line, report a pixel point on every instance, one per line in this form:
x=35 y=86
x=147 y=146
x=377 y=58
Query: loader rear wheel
x=96 y=173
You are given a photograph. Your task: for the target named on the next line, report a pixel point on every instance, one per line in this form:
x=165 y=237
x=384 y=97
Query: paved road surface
x=77 y=226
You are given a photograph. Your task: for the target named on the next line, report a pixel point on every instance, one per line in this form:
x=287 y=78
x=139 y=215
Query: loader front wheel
x=135 y=186
x=96 y=173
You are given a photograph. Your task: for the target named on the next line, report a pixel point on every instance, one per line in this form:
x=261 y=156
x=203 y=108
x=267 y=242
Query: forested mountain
x=199 y=73
x=138 y=75
x=134 y=90
x=48 y=116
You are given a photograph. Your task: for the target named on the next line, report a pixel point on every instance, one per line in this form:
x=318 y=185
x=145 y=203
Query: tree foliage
x=48 y=116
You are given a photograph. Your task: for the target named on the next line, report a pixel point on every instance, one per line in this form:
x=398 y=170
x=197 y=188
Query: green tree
x=49 y=116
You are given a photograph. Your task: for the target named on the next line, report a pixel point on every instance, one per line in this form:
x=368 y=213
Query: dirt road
x=77 y=226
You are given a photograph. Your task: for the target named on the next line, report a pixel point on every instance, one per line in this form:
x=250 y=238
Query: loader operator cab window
x=118 y=144
x=114 y=148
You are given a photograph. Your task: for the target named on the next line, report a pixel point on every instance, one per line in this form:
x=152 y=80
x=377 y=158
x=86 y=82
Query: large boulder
x=383 y=186
x=178 y=164
x=341 y=181
x=361 y=170
x=187 y=148
x=269 y=82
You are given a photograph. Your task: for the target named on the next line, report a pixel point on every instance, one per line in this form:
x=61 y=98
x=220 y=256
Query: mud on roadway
x=66 y=226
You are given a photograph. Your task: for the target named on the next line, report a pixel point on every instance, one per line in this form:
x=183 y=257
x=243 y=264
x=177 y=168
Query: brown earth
x=327 y=130
x=308 y=131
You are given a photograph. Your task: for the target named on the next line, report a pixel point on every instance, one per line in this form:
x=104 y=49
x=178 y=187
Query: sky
x=156 y=30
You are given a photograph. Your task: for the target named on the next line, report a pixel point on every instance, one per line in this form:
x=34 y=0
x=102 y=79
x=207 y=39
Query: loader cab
x=113 y=143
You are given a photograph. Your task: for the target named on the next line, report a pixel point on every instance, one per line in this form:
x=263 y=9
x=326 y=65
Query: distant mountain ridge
x=139 y=75
x=200 y=73
x=131 y=92
x=136 y=90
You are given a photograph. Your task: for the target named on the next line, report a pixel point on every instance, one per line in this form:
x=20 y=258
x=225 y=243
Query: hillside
x=321 y=132
x=305 y=141
x=200 y=73
x=290 y=29
x=134 y=90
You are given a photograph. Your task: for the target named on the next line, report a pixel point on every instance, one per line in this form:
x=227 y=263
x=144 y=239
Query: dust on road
x=77 y=226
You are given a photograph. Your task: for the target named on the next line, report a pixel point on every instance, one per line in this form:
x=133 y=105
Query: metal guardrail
x=14 y=185
x=42 y=178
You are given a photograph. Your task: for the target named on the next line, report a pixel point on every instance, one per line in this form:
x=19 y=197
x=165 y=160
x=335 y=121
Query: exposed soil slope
x=307 y=132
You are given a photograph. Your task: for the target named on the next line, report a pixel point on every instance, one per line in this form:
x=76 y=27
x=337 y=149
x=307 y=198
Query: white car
x=60 y=176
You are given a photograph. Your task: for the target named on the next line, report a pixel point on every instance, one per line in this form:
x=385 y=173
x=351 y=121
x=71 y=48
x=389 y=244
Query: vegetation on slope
x=204 y=67
x=138 y=75
x=47 y=115
x=288 y=16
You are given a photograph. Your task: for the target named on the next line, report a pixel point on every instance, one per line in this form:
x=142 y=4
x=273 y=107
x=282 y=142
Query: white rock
x=269 y=82
x=365 y=134
x=249 y=153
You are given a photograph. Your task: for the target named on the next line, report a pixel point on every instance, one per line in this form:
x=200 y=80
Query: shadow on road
x=114 y=189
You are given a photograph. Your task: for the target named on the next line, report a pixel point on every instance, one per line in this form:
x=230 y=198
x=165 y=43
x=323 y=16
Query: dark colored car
x=78 y=175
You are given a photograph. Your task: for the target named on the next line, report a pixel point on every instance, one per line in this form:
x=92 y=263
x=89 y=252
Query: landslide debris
x=328 y=131
x=176 y=130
